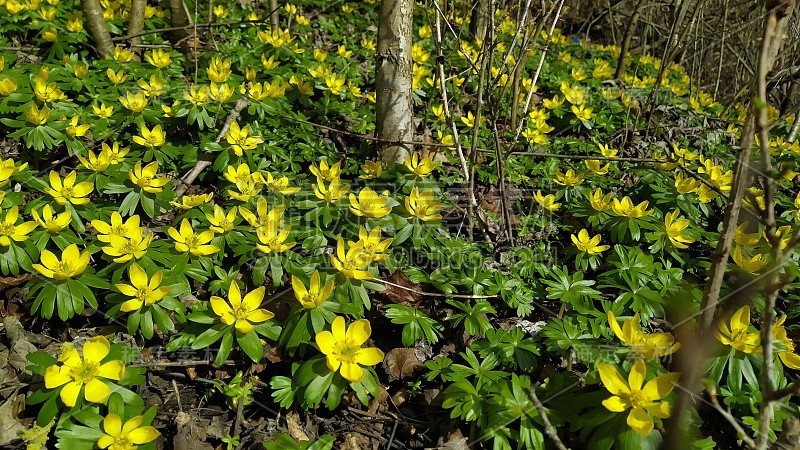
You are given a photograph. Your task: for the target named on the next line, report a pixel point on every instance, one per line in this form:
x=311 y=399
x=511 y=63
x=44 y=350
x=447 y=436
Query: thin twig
x=433 y=294
x=740 y=433
x=549 y=429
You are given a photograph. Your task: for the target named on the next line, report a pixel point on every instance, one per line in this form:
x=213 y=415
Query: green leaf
x=251 y=345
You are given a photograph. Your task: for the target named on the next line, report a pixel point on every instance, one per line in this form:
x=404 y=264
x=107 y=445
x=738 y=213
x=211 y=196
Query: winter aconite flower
x=785 y=345
x=369 y=204
x=11 y=230
x=132 y=245
x=315 y=295
x=736 y=333
x=328 y=172
x=87 y=373
x=272 y=239
x=588 y=245
x=342 y=348
x=625 y=208
x=419 y=166
x=568 y=179
x=749 y=264
x=96 y=162
x=351 y=263
x=68 y=191
x=49 y=220
x=143 y=291
x=150 y=138
x=186 y=240
x=145 y=177
x=71 y=265
x=371 y=245
x=648 y=345
x=240 y=140
x=547 y=202
x=242 y=313
x=115 y=227
x=371 y=169
x=673 y=230
x=599 y=201
x=423 y=205
x=220 y=221
x=158 y=58
x=127 y=436
x=134 y=102
x=190 y=201
x=280 y=185
x=331 y=193
x=642 y=399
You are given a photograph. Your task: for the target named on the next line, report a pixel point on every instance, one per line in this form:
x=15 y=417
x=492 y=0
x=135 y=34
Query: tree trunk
x=274 y=17
x=626 y=41
x=478 y=21
x=136 y=25
x=97 y=26
x=179 y=19
x=395 y=119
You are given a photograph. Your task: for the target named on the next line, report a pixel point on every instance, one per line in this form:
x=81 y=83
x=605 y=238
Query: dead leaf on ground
x=295 y=429
x=409 y=296
x=9 y=426
x=191 y=433
x=456 y=441
x=401 y=363
x=379 y=403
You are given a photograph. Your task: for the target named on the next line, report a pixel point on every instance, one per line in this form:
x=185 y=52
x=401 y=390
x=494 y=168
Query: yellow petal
x=112 y=424
x=637 y=375
x=95 y=349
x=338 y=329
x=69 y=394
x=640 y=422
x=615 y=404
x=253 y=299
x=143 y=435
x=96 y=391
x=351 y=371
x=358 y=332
x=612 y=379
x=113 y=370
x=56 y=376
x=325 y=342
x=369 y=356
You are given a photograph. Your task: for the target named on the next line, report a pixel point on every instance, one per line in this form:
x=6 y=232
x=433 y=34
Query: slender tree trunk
x=136 y=24
x=395 y=119
x=478 y=21
x=274 y=17
x=626 y=41
x=179 y=19
x=97 y=26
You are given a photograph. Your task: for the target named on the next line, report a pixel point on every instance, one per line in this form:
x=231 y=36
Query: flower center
x=63 y=269
x=6 y=228
x=122 y=442
x=67 y=192
x=119 y=230
x=346 y=351
x=192 y=241
x=241 y=312
x=85 y=372
x=637 y=399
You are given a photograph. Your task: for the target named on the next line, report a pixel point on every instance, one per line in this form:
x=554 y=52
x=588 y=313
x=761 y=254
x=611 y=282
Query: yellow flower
x=594 y=166
x=125 y=437
x=116 y=227
x=371 y=245
x=588 y=245
x=72 y=263
x=419 y=166
x=190 y=201
x=159 y=58
x=368 y=44
x=36 y=116
x=74 y=23
x=68 y=191
x=335 y=84
x=737 y=332
x=272 y=239
x=569 y=179
x=553 y=103
x=220 y=11
x=88 y=372
x=47 y=92
x=48 y=220
x=144 y=291
x=625 y=208
x=268 y=63
x=246 y=190
x=331 y=193
x=674 y=227
x=315 y=295
x=239 y=140
x=220 y=92
x=280 y=185
x=135 y=103
x=219 y=70
x=342 y=348
x=325 y=171
x=7 y=86
x=352 y=262
x=784 y=345
x=122 y=55
x=197 y=96
x=103 y=111
x=125 y=248
x=369 y=204
x=582 y=112
x=50 y=34
x=743 y=238
x=264 y=218
x=685 y=185
x=469 y=121
x=643 y=399
x=752 y=264
x=9 y=229
x=547 y=202
x=646 y=345
x=145 y=177
x=242 y=313
x=186 y=240
x=320 y=55
x=96 y=162
x=371 y=169
x=221 y=222
x=606 y=151
x=151 y=138
x=75 y=130
x=423 y=205
x=116 y=77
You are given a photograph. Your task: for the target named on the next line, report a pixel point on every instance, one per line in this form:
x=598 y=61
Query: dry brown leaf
x=401 y=363
x=296 y=430
x=409 y=296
